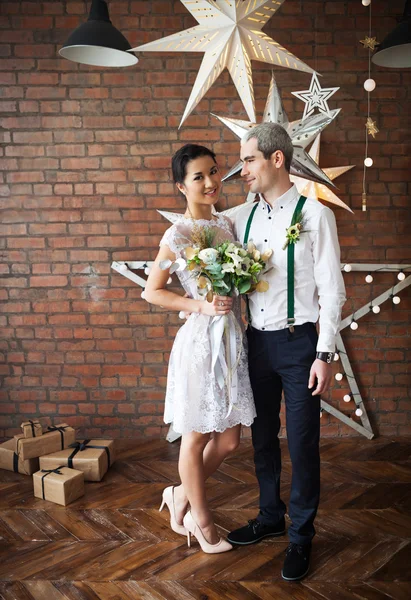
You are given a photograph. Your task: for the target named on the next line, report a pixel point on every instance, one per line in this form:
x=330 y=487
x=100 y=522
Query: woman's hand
x=221 y=305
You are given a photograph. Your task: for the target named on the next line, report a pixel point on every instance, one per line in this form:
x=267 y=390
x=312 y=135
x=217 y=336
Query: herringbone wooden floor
x=113 y=544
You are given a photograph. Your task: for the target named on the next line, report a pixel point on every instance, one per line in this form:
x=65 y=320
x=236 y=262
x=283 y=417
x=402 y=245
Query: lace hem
x=243 y=422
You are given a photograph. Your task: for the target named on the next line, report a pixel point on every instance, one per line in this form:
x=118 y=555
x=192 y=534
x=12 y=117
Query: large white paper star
x=229 y=32
x=302 y=133
x=315 y=97
x=315 y=190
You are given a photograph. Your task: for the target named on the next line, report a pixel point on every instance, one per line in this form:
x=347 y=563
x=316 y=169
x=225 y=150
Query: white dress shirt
x=319 y=286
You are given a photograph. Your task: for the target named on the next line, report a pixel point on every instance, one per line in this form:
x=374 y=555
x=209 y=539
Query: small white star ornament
x=315 y=97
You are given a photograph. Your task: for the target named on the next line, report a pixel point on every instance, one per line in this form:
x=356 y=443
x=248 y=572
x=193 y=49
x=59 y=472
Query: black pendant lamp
x=97 y=42
x=395 y=50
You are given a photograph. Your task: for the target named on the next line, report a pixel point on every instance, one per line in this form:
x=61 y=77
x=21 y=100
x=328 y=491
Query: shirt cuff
x=326 y=343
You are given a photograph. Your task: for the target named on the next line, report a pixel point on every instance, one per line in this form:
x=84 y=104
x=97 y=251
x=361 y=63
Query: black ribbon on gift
x=32 y=423
x=80 y=446
x=61 y=429
x=15 y=462
x=47 y=472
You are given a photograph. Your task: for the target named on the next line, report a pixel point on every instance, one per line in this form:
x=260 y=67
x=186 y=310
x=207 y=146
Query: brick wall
x=85 y=160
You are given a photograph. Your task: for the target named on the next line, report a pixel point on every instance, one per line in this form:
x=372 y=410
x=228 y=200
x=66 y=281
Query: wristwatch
x=326 y=356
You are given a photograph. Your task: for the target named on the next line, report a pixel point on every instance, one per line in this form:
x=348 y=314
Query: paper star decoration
x=369 y=42
x=372 y=128
x=315 y=97
x=301 y=133
x=310 y=189
x=229 y=32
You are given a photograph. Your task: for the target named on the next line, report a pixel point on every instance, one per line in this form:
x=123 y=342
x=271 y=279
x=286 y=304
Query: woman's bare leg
x=215 y=451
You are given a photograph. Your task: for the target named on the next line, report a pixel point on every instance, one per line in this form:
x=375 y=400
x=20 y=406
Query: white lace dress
x=194 y=399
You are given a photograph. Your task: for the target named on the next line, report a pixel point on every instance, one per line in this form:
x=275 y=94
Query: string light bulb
x=338 y=376
x=354 y=325
x=147 y=270
x=336 y=356
x=401 y=276
x=376 y=310
x=347 y=398
x=369 y=278
x=368 y=162
x=143 y=295
x=366 y=2
x=396 y=299
x=358 y=412
x=347 y=268
x=369 y=85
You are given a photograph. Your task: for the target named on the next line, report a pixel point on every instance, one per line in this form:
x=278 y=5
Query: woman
x=196 y=403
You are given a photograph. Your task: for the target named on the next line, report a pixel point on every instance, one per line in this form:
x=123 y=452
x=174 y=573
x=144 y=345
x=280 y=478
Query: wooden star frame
x=126 y=269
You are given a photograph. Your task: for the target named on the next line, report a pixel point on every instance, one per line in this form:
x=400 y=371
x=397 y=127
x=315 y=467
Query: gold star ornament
x=369 y=42
x=372 y=128
x=229 y=33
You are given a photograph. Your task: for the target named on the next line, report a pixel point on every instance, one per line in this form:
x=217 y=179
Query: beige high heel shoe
x=168 y=498
x=192 y=528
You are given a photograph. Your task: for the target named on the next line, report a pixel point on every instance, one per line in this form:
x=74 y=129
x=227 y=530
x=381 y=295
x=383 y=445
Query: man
x=285 y=352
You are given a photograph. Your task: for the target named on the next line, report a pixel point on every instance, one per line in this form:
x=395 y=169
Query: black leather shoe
x=297 y=562
x=255 y=531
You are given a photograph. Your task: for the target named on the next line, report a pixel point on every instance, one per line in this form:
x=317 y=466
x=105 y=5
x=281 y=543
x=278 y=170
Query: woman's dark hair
x=183 y=156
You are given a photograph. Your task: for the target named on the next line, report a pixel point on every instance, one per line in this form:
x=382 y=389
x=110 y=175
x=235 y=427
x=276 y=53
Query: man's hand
x=321 y=371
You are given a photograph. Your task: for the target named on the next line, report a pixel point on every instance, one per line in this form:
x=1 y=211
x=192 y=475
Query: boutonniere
x=294 y=231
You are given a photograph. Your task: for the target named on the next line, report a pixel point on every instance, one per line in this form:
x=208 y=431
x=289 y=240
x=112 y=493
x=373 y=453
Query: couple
x=285 y=352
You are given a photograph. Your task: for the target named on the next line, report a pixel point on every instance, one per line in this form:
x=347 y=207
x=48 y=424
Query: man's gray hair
x=271 y=137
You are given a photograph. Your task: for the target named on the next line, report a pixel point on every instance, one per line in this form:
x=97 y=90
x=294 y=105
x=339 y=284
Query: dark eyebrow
x=200 y=172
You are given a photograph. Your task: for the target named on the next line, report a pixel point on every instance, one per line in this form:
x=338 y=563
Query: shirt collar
x=283 y=200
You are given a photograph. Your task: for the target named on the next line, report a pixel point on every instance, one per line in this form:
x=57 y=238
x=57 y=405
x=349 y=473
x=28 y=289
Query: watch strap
x=326 y=356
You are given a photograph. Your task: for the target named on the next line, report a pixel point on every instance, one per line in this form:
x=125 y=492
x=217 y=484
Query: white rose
x=208 y=255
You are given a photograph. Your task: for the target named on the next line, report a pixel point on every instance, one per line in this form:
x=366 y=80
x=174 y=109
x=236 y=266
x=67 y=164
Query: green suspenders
x=290 y=263
x=290 y=268
x=247 y=233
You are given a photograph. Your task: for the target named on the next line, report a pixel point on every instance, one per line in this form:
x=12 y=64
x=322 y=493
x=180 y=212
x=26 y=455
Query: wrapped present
x=31 y=429
x=57 y=437
x=10 y=461
x=92 y=457
x=60 y=485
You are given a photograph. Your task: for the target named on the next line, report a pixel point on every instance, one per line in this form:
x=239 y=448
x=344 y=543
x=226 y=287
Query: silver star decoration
x=315 y=97
x=229 y=32
x=315 y=190
x=302 y=133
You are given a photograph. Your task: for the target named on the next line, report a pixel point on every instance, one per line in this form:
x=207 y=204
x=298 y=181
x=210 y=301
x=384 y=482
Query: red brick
x=50 y=281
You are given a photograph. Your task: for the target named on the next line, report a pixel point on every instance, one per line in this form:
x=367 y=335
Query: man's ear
x=278 y=159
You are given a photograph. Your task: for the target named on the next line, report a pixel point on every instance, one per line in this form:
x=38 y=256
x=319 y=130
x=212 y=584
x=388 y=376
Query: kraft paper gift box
x=31 y=429
x=55 y=438
x=10 y=461
x=92 y=457
x=60 y=485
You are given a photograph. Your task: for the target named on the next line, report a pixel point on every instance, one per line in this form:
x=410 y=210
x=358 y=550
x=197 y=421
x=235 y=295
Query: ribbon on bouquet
x=225 y=355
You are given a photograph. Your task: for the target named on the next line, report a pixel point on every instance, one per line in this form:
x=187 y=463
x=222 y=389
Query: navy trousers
x=281 y=361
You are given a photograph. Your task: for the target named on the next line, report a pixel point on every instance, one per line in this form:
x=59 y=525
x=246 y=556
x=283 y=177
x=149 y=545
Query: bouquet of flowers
x=227 y=269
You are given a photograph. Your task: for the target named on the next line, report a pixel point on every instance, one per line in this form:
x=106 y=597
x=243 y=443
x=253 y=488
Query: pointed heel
x=168 y=499
x=192 y=528
x=188 y=539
